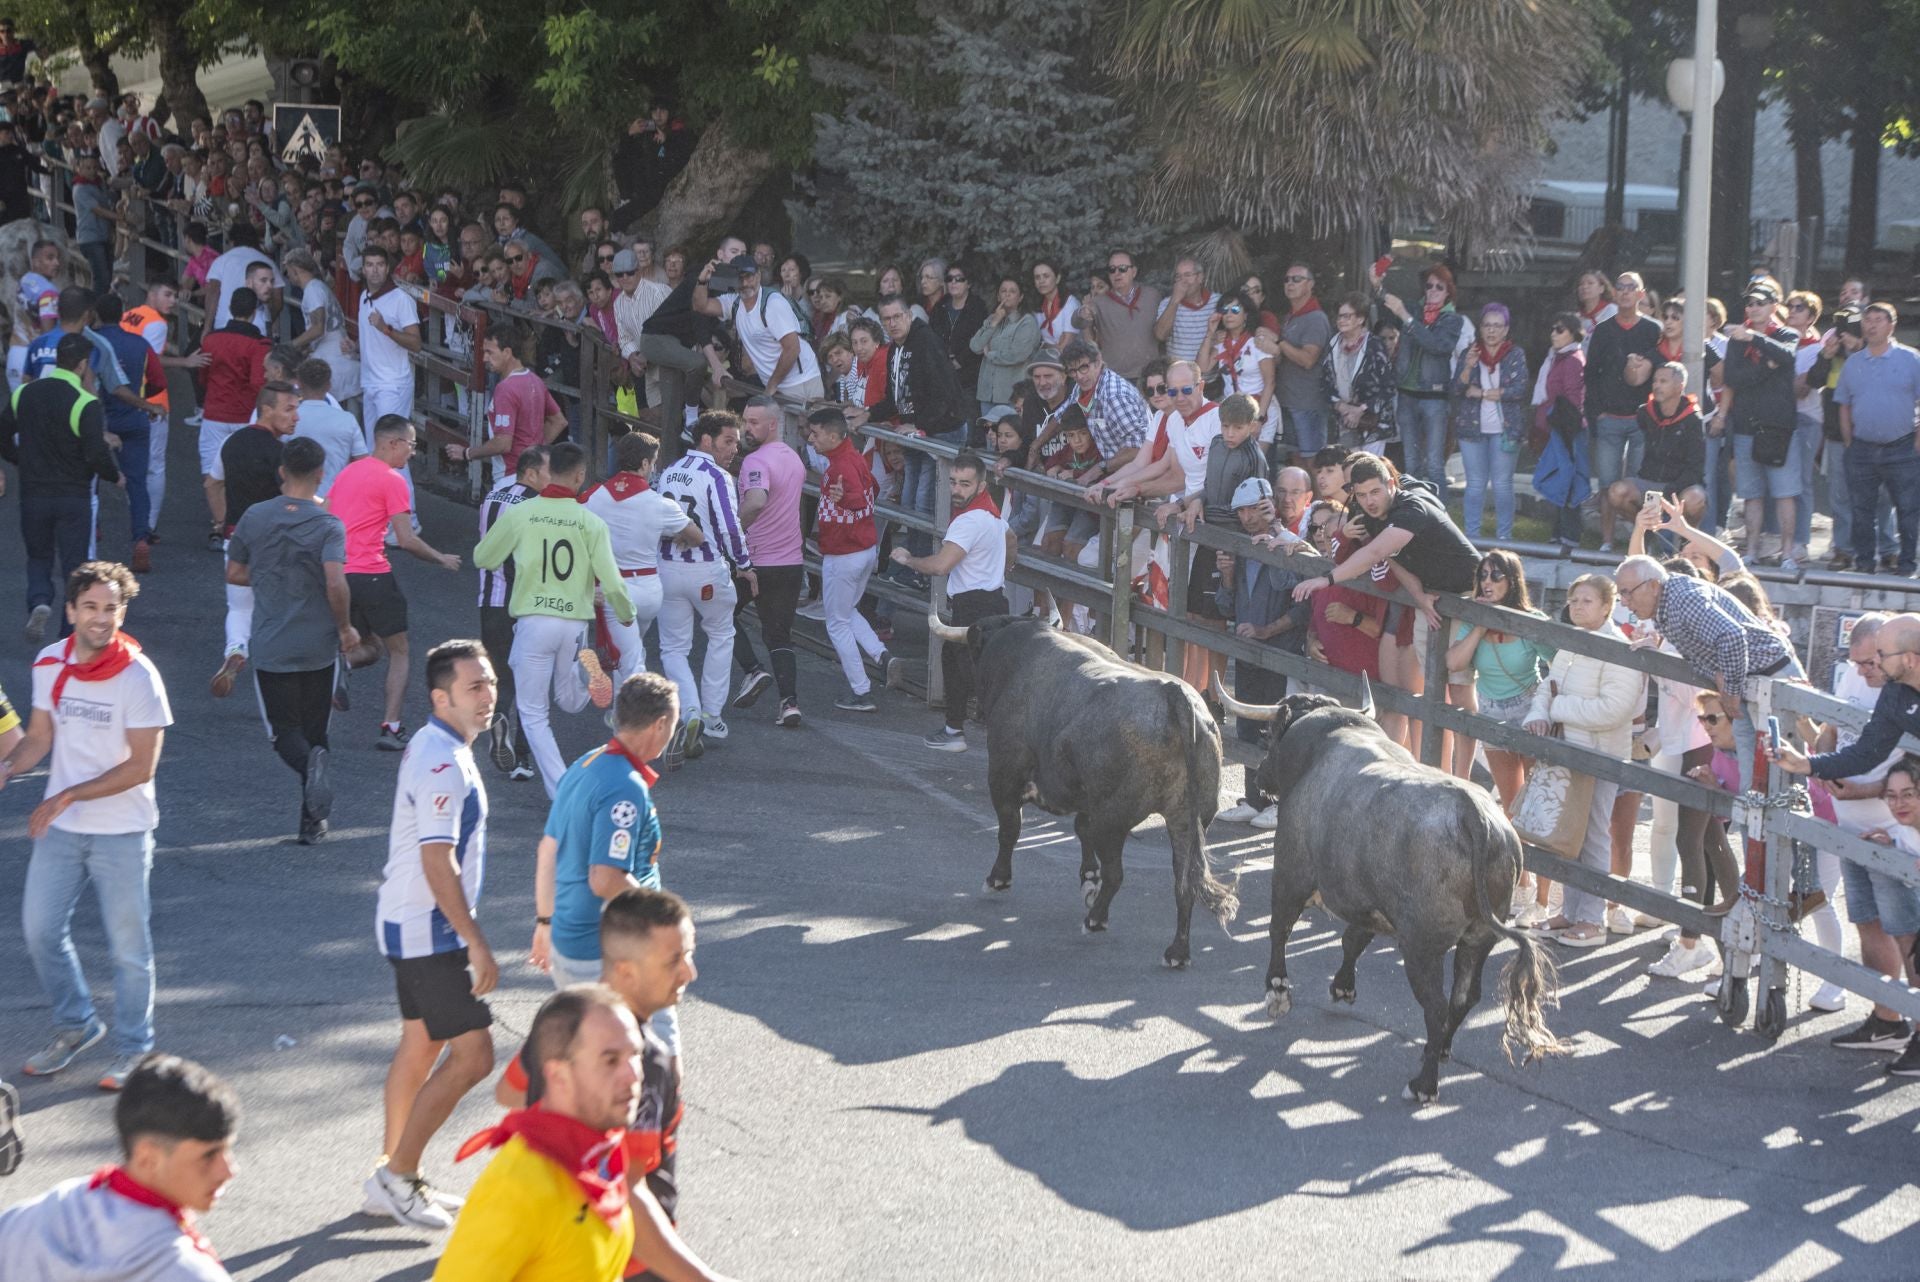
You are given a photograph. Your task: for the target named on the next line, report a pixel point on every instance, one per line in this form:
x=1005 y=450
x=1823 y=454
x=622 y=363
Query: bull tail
x=1221 y=898
x=1530 y=981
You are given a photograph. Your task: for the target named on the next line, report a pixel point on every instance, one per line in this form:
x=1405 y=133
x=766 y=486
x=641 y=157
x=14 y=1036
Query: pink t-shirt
x=774 y=536
x=366 y=496
x=521 y=404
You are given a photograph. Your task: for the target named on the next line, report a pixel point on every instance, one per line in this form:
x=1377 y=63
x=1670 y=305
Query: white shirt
x=1870 y=812
x=631 y=311
x=1244 y=376
x=1804 y=356
x=1065 y=323
x=636 y=523
x=439 y=799
x=155 y=332
x=229 y=272
x=761 y=327
x=1189 y=442
x=383 y=362
x=336 y=431
x=982 y=537
x=90 y=738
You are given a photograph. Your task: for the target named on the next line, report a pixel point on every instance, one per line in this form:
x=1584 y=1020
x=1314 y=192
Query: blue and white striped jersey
x=706 y=492
x=439 y=799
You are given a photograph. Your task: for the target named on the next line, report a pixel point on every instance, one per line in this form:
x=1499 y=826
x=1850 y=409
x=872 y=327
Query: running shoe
x=1267 y=820
x=752 y=688
x=406 y=1199
x=1908 y=1065
x=789 y=714
x=11 y=1145
x=116 y=1077
x=36 y=629
x=856 y=703
x=1682 y=959
x=815 y=610
x=599 y=684
x=692 y=737
x=523 y=772
x=1875 y=1034
x=316 y=799
x=392 y=738
x=716 y=730
x=1238 y=813
x=222 y=684
x=500 y=744
x=894 y=672
x=946 y=739
x=64 y=1049
x=142 y=559
x=312 y=831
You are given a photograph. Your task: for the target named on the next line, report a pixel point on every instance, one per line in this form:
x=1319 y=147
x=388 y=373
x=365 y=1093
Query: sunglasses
x=1180 y=391
x=1710 y=718
x=1119 y=267
x=1298 y=279
x=516 y=258
x=1492 y=573
x=1321 y=528
x=1156 y=389
x=1235 y=310
x=363 y=204
x=955 y=278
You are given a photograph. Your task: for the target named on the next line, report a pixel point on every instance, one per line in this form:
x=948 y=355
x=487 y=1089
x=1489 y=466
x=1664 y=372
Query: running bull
x=1078 y=731
x=1394 y=847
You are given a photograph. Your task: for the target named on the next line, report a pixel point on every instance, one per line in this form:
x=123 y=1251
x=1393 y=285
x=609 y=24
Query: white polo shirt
x=383 y=362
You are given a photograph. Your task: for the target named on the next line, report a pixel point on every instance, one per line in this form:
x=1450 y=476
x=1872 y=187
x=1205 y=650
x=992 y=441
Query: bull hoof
x=1092 y=927
x=994 y=887
x=1279 y=1001
x=1419 y=1094
x=1340 y=994
x=1172 y=962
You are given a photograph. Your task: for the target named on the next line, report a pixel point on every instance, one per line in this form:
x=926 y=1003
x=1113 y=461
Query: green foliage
x=984 y=132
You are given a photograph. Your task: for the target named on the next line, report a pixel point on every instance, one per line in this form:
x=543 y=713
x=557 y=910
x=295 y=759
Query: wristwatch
x=543 y=921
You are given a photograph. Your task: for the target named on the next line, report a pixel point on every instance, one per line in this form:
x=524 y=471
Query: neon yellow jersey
x=9 y=719
x=559 y=550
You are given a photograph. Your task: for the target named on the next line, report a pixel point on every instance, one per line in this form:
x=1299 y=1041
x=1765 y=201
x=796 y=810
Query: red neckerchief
x=116 y=658
x=1198 y=447
x=1359 y=341
x=875 y=376
x=1591 y=314
x=1158 y=449
x=1307 y=308
x=1206 y=301
x=1131 y=304
x=519 y=285
x=1687 y=406
x=558 y=492
x=1229 y=355
x=1492 y=359
x=1077 y=394
x=1811 y=337
x=116 y=1180
x=647 y=776
x=1050 y=308
x=1678 y=352
x=1627 y=320
x=981 y=502
x=1430 y=312
x=573 y=1146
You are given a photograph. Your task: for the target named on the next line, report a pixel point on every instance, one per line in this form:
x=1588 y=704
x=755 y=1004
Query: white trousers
x=700 y=591
x=843 y=581
x=644 y=591
x=376 y=402
x=157 y=426
x=546 y=665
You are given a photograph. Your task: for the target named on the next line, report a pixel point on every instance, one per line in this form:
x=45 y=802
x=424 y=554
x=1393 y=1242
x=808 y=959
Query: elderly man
x=1294 y=498
x=1258 y=599
x=1181 y=323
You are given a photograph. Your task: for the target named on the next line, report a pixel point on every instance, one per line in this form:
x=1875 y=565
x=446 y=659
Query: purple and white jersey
x=706 y=492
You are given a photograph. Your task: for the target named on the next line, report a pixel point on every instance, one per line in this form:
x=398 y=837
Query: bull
x=1397 y=848
x=1078 y=731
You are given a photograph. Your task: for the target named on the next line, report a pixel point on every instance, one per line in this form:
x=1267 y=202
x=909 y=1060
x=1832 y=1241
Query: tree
x=185 y=33
x=984 y=132
x=1330 y=116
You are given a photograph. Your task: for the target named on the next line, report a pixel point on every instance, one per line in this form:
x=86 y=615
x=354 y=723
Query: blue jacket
x=1262 y=593
x=1561 y=477
x=1426 y=351
x=1516 y=392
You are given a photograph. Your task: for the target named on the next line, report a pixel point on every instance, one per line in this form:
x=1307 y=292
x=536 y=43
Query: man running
x=848 y=554
x=559 y=551
x=250 y=472
x=236 y=367
x=372 y=501
x=436 y=859
x=638 y=521
x=389 y=333
x=132 y=422
x=696 y=581
x=152 y=321
x=322 y=421
x=99 y=714
x=507 y=739
x=770 y=494
x=301 y=620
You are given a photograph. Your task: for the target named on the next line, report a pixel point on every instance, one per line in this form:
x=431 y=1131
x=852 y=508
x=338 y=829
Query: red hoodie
x=846 y=525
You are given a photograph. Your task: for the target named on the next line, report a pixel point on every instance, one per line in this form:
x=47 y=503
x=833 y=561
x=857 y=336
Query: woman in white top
x=1230 y=351
x=326 y=325
x=1594 y=293
x=1059 y=311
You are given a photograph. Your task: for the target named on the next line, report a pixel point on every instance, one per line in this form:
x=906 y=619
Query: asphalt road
x=893 y=1074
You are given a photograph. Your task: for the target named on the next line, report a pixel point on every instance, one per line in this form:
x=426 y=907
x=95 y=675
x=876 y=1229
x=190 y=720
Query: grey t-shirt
x=1300 y=388
x=285 y=543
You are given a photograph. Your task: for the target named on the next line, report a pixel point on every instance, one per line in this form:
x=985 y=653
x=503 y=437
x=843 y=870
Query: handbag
x=1553 y=807
x=1772 y=445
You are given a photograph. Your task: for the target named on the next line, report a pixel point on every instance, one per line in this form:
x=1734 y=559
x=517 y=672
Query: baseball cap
x=745 y=263
x=997 y=412
x=625 y=261
x=1762 y=292
x=1046 y=358
x=1251 y=491
x=99 y=104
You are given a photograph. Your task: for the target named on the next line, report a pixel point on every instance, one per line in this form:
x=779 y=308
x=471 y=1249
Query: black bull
x=1394 y=847
x=1078 y=731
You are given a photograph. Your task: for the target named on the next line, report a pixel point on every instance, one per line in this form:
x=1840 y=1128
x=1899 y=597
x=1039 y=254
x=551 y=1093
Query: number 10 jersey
x=559 y=551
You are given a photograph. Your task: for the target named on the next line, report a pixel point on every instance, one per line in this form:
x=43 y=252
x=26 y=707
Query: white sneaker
x=1830 y=997
x=1267 y=819
x=716 y=729
x=407 y=1201
x=1682 y=960
x=1619 y=921
x=1238 y=813
x=815 y=610
x=1530 y=913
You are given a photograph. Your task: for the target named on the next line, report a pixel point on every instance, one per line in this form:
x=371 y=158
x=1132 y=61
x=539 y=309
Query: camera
x=1846 y=322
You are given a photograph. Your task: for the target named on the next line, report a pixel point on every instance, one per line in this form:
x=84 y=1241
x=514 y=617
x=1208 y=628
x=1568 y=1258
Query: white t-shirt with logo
x=982 y=537
x=1188 y=442
x=761 y=326
x=439 y=798
x=90 y=738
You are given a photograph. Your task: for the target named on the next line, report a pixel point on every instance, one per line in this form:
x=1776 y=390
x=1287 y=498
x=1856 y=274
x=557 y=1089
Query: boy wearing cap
x=1257 y=601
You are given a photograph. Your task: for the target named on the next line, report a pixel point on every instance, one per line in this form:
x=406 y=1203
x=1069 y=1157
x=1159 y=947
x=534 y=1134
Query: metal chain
x=1794 y=797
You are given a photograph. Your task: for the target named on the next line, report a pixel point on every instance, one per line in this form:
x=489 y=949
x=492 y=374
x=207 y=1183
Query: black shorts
x=378 y=607
x=438 y=991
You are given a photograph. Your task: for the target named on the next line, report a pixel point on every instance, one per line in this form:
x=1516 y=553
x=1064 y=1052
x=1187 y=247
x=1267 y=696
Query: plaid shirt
x=1715 y=633
x=1118 y=414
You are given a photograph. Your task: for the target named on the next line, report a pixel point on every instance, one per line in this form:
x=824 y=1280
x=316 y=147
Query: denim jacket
x=1516 y=390
x=1426 y=351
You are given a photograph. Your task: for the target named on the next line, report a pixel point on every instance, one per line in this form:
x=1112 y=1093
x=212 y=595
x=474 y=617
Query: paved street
x=895 y=1075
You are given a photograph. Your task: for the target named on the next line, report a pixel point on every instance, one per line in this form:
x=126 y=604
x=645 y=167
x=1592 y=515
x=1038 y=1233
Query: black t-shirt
x=251 y=461
x=1438 y=554
x=656 y=1122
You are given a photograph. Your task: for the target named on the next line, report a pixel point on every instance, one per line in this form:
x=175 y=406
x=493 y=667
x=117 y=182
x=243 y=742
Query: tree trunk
x=99 y=65
x=179 y=65
x=710 y=192
x=1731 y=252
x=1863 y=188
x=1809 y=184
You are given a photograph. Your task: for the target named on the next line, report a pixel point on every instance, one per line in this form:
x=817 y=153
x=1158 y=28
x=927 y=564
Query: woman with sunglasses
x=1430 y=341
x=1264 y=319
x=1506 y=672
x=1243 y=366
x=956 y=319
x=1004 y=342
x=1357 y=375
x=1490 y=420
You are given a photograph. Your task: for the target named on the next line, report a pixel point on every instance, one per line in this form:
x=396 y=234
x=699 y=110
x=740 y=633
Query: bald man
x=1895 y=713
x=1292 y=499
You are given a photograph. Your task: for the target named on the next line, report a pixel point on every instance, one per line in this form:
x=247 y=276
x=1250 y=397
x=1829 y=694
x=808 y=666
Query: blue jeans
x=135 y=454
x=54 y=528
x=1618 y=448
x=1719 y=482
x=1306 y=430
x=1807 y=434
x=118 y=865
x=1487 y=461
x=918 y=483
x=1423 y=437
x=99 y=256
x=1840 y=499
x=1895 y=466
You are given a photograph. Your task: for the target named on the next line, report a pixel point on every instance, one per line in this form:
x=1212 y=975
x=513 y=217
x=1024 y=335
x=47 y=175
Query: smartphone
x=1653 y=499
x=1773 y=734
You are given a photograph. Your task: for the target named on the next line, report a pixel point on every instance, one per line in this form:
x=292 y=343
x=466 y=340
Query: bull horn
x=1248 y=711
x=1366 y=696
x=945 y=631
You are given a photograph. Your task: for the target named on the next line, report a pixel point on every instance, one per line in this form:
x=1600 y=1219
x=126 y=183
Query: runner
x=638 y=521
x=645 y=940
x=301 y=621
x=322 y=421
x=389 y=331
x=770 y=492
x=848 y=554
x=236 y=356
x=508 y=741
x=372 y=501
x=152 y=321
x=559 y=551
x=522 y=412
x=131 y=422
x=696 y=580
x=436 y=860
x=176 y=1123
x=36 y=308
x=250 y=468
x=554 y=1203
x=99 y=714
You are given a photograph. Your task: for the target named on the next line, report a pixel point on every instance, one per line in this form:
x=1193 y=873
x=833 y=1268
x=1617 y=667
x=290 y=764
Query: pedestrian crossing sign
x=305 y=129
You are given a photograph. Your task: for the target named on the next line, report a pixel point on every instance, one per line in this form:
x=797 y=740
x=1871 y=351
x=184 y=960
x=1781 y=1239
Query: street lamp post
x=1695 y=94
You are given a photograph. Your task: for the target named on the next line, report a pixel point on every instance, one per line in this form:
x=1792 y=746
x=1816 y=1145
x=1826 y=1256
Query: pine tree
x=982 y=134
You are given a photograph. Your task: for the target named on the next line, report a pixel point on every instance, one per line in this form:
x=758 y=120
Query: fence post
x=1432 y=738
x=1120 y=565
x=1179 y=578
x=1778 y=892
x=937 y=597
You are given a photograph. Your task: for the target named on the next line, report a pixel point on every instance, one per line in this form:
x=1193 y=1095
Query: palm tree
x=1331 y=117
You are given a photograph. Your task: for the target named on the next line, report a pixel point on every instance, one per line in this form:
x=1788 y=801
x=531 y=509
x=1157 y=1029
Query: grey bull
x=1396 y=848
x=1078 y=731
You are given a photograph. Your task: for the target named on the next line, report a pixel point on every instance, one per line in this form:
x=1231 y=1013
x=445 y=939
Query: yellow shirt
x=527 y=1221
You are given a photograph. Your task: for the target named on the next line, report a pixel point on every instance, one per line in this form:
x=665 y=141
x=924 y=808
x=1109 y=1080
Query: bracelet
x=543 y=921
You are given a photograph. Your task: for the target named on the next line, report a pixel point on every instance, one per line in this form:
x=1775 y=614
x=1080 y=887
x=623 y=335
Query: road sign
x=305 y=129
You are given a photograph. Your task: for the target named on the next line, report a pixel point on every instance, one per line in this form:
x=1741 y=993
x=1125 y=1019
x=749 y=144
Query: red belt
x=639 y=574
